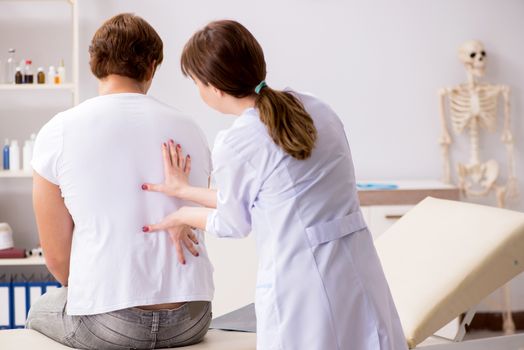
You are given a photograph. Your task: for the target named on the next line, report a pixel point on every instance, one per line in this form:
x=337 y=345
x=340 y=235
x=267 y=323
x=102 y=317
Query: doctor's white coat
x=320 y=283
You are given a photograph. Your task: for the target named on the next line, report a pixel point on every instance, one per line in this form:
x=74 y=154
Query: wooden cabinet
x=383 y=207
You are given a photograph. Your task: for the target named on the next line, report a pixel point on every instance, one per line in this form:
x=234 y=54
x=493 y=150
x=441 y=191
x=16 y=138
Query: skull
x=473 y=56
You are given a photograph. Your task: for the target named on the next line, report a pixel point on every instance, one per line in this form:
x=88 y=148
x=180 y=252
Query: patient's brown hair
x=125 y=45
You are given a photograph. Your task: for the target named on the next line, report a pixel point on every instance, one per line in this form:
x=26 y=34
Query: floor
x=485 y=334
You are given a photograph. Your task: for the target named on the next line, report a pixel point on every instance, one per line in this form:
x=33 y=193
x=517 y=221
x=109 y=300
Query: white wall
x=379 y=63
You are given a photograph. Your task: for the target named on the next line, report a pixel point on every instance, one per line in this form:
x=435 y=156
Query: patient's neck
x=117 y=84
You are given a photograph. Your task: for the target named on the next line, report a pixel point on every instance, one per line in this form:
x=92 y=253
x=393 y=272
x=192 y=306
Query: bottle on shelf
x=28 y=72
x=10 y=67
x=5 y=153
x=62 y=72
x=28 y=153
x=6 y=236
x=19 y=77
x=40 y=76
x=51 y=75
x=14 y=156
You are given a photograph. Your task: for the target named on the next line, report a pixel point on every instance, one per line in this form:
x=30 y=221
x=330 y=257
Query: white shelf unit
x=15 y=174
x=31 y=261
x=35 y=87
x=69 y=87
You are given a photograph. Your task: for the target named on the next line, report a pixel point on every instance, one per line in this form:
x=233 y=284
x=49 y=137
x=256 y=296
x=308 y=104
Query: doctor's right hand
x=181 y=236
x=176 y=171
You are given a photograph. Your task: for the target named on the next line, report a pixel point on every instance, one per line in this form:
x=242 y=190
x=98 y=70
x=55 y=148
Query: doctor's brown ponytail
x=287 y=122
x=227 y=56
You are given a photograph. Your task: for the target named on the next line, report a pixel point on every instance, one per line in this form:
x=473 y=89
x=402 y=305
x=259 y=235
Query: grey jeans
x=131 y=328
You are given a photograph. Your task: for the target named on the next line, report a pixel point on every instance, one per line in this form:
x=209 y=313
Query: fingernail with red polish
x=183 y=262
x=188 y=156
x=164 y=144
x=144 y=187
x=172 y=142
x=197 y=254
x=145 y=229
x=178 y=146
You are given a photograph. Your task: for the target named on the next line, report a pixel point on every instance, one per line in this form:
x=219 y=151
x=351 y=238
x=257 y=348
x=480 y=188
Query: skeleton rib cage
x=480 y=103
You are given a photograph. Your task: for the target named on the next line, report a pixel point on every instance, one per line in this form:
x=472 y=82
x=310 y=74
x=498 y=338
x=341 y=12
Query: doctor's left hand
x=176 y=171
x=181 y=236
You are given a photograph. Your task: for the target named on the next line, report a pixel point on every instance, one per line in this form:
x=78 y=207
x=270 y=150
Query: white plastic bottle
x=14 y=156
x=27 y=153
x=62 y=72
x=10 y=67
x=51 y=75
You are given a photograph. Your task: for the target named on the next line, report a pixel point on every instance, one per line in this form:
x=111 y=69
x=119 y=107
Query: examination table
x=441 y=259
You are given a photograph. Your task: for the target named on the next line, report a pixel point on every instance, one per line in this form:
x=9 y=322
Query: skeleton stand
x=473 y=106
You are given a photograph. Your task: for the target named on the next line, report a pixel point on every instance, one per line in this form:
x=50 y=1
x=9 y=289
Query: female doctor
x=284 y=171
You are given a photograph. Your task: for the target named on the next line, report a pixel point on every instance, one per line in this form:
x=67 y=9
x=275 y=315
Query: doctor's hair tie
x=260 y=86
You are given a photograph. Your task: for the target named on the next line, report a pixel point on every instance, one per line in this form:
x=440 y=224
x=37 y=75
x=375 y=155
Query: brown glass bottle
x=40 y=76
x=19 y=78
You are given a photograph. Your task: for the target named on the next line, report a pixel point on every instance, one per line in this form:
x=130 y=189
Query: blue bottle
x=6 y=155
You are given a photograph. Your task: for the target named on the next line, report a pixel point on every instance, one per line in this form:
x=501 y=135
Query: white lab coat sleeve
x=237 y=188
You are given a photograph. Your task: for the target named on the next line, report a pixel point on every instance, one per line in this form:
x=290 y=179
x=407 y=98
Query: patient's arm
x=55 y=227
x=176 y=174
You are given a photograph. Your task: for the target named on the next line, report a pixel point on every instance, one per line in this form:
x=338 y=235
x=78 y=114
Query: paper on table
x=241 y=320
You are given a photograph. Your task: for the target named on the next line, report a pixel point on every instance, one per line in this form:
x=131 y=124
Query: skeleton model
x=473 y=107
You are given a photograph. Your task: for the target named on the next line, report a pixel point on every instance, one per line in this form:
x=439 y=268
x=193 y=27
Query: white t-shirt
x=100 y=153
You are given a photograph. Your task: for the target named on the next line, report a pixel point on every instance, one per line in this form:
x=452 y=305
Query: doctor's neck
x=236 y=106
x=117 y=84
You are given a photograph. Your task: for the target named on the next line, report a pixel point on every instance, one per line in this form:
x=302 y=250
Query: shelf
x=22 y=87
x=15 y=174
x=37 y=260
x=69 y=1
x=409 y=192
x=411 y=184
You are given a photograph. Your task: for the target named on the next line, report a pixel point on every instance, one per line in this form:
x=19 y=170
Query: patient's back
x=100 y=153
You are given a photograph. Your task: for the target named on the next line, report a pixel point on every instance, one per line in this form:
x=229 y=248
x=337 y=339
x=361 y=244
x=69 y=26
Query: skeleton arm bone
x=445 y=139
x=507 y=138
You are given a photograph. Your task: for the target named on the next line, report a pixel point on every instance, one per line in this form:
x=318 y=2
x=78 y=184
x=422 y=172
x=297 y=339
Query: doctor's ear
x=216 y=91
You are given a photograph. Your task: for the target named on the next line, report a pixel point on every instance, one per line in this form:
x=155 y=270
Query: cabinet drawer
x=381 y=217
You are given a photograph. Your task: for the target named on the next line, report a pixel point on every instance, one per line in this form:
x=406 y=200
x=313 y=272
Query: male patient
x=122 y=288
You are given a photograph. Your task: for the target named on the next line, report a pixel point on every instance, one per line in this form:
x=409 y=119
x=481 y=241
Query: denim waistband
x=164 y=316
